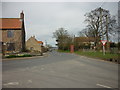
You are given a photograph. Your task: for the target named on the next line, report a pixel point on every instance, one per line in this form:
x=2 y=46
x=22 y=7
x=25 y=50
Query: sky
x=44 y=18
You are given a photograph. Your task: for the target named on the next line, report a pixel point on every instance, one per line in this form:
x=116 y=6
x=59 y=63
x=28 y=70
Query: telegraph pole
x=107 y=33
x=45 y=42
x=101 y=10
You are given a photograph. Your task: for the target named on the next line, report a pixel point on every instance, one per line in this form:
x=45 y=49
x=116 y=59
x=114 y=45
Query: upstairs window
x=10 y=33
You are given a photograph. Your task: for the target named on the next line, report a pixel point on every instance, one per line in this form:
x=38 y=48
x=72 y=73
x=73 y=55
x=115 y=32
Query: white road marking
x=103 y=86
x=29 y=81
x=12 y=83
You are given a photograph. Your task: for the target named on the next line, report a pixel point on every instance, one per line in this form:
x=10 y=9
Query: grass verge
x=93 y=54
x=98 y=55
x=64 y=51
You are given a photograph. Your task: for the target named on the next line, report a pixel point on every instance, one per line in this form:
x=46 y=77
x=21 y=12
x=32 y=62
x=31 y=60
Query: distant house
x=40 y=43
x=84 y=39
x=84 y=42
x=13 y=34
x=43 y=48
x=33 y=45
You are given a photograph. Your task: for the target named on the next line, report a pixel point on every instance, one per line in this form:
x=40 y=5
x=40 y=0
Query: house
x=40 y=43
x=43 y=48
x=13 y=34
x=33 y=45
x=82 y=42
x=84 y=39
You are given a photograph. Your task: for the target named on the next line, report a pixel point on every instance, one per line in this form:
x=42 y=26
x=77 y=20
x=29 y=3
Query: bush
x=14 y=56
x=10 y=56
x=112 y=45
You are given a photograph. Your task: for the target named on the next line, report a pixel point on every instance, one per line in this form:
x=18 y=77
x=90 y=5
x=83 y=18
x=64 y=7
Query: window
x=10 y=33
x=31 y=48
x=10 y=46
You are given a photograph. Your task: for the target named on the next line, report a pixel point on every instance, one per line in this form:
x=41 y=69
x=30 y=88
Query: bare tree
x=63 y=38
x=100 y=25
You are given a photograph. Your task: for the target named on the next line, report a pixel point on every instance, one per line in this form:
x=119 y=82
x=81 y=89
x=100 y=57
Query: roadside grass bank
x=96 y=54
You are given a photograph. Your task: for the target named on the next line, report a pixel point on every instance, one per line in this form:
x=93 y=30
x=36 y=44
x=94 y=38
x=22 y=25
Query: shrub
x=22 y=55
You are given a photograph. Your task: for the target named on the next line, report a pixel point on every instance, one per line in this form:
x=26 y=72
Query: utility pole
x=101 y=10
x=45 y=42
x=108 y=46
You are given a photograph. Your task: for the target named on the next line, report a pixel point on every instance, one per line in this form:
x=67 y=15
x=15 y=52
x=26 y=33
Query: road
x=59 y=70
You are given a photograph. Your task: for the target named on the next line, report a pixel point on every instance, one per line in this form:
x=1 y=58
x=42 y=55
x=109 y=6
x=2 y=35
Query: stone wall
x=16 y=39
x=32 y=45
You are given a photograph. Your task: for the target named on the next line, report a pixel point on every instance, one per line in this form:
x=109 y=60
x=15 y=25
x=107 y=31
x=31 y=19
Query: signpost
x=103 y=43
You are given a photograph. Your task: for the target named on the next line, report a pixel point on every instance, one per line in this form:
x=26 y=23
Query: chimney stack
x=22 y=15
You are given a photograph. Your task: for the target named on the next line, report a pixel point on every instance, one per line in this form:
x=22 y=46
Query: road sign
x=103 y=42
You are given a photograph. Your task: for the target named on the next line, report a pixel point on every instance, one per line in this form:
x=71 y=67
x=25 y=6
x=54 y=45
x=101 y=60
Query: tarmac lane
x=59 y=70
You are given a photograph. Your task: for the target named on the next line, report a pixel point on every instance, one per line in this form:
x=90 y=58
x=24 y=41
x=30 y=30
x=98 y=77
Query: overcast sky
x=43 y=18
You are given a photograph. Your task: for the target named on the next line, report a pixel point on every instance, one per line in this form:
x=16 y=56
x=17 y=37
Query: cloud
x=42 y=19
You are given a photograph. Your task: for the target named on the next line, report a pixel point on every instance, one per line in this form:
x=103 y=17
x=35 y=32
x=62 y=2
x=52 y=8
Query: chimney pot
x=22 y=15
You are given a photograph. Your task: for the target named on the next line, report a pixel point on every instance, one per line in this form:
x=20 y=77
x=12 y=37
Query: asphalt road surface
x=59 y=70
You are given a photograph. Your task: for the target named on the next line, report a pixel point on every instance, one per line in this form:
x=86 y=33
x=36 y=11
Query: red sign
x=71 y=48
x=103 y=42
